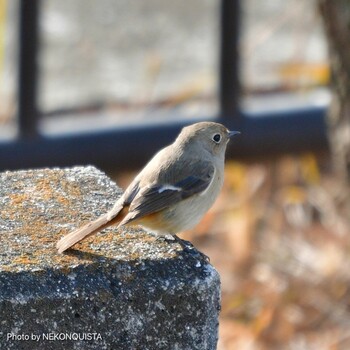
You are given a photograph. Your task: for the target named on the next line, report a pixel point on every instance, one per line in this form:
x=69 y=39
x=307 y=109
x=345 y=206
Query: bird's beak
x=233 y=133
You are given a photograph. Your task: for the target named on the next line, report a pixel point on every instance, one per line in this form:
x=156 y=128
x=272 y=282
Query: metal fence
x=263 y=134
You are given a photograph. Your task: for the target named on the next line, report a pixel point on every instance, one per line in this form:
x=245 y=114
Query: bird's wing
x=125 y=199
x=196 y=177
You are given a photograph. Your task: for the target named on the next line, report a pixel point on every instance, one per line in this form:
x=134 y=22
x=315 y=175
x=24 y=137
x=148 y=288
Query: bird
x=173 y=191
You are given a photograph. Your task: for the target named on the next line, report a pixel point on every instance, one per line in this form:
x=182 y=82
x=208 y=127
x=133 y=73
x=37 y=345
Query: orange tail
x=87 y=230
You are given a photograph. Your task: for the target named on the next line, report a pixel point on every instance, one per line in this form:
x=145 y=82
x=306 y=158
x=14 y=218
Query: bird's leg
x=184 y=244
x=188 y=246
x=168 y=238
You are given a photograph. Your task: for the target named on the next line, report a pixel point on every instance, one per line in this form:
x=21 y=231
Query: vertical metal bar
x=27 y=68
x=229 y=58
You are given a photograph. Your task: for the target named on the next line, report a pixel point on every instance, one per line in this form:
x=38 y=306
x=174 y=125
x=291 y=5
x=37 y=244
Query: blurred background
x=109 y=82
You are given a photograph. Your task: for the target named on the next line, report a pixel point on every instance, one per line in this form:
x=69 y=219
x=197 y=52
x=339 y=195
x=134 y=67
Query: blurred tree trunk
x=336 y=17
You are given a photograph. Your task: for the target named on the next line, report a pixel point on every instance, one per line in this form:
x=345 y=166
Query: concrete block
x=121 y=289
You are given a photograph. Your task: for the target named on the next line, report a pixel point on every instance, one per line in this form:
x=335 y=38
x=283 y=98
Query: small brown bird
x=174 y=190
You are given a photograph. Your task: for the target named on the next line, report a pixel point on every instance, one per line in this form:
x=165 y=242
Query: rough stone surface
x=121 y=289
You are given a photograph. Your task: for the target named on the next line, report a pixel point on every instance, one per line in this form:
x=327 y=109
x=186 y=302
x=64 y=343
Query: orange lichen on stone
x=23 y=260
x=17 y=199
x=40 y=206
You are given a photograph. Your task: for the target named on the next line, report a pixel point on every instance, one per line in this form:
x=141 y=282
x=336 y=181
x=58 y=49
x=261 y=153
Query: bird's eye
x=217 y=138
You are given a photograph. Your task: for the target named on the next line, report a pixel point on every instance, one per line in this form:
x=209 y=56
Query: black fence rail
x=263 y=134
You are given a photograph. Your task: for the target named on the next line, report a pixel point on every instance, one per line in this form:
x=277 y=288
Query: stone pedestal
x=120 y=289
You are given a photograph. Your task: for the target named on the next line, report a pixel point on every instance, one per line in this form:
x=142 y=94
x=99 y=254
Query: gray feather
x=197 y=176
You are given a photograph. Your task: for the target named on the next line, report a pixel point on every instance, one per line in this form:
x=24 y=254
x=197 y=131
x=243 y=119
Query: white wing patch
x=210 y=184
x=169 y=187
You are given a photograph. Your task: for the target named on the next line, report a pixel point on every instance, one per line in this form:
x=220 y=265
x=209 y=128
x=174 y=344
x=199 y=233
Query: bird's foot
x=187 y=246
